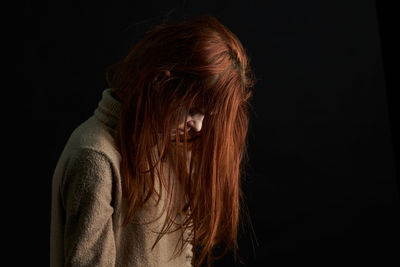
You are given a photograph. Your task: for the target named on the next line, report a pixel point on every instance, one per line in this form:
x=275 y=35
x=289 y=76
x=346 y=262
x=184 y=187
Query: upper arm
x=86 y=194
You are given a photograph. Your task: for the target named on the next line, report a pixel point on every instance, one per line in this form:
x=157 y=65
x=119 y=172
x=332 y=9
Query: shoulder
x=86 y=158
x=89 y=163
x=94 y=138
x=90 y=158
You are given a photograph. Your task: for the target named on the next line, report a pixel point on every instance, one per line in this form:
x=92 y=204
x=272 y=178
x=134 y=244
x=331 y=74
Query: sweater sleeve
x=86 y=194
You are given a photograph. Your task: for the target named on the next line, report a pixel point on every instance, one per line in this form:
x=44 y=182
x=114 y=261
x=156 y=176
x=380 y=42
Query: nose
x=195 y=121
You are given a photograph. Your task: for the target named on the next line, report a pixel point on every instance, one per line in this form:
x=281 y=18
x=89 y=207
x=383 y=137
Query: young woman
x=153 y=177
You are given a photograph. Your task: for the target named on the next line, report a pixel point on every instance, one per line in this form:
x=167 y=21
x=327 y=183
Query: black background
x=323 y=183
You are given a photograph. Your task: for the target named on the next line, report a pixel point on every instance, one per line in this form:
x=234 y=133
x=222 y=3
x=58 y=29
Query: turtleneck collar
x=108 y=109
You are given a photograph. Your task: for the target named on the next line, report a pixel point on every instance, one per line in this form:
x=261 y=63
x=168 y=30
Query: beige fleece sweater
x=88 y=208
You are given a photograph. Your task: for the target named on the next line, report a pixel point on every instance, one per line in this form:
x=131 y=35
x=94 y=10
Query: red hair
x=173 y=69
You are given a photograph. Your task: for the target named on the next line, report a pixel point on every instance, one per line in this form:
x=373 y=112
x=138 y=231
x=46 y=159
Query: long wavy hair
x=178 y=68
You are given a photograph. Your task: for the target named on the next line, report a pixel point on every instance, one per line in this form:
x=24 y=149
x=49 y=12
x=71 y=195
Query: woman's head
x=193 y=75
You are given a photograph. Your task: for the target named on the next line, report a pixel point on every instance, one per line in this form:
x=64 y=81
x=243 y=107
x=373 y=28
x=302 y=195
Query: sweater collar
x=108 y=109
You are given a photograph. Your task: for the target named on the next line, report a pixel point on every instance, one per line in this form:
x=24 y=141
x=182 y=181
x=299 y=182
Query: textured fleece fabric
x=88 y=207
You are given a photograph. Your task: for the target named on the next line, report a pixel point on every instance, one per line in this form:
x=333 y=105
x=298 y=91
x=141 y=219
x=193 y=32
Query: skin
x=194 y=123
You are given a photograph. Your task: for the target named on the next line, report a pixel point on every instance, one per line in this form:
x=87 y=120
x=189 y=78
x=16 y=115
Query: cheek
x=182 y=120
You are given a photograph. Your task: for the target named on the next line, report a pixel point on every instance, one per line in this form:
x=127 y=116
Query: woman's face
x=193 y=123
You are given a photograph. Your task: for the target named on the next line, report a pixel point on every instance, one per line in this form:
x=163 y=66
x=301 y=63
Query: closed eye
x=194 y=111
